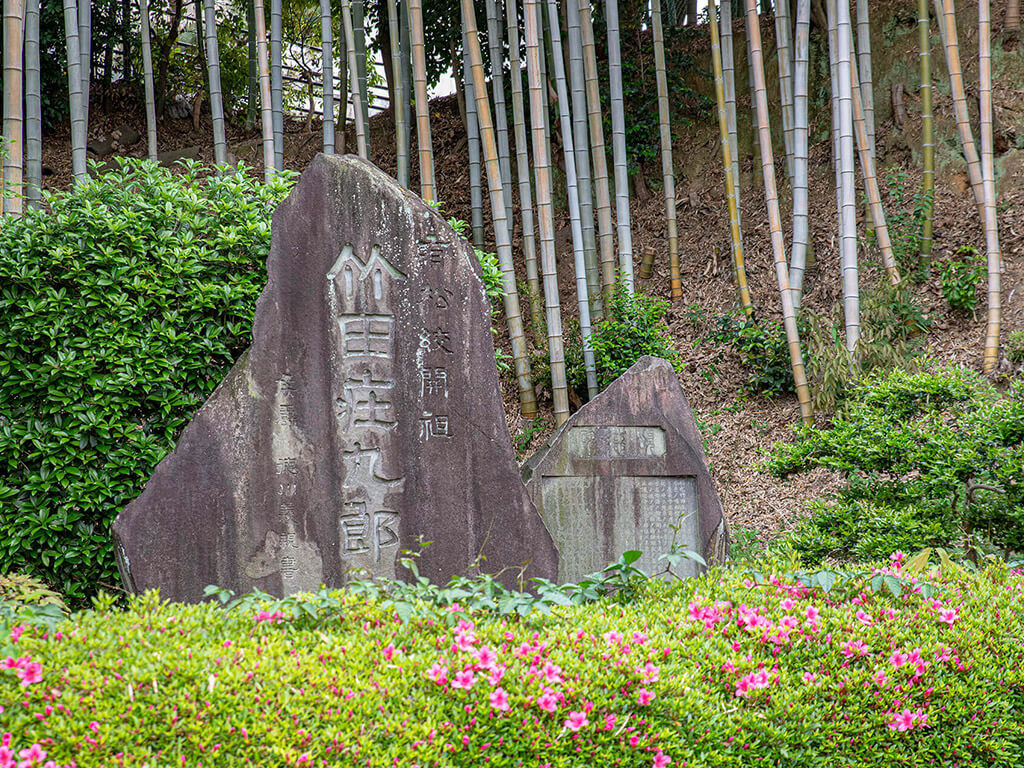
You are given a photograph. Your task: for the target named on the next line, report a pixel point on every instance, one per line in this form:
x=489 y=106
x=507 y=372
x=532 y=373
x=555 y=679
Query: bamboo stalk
x=611 y=12
x=738 y=266
x=220 y=147
x=266 y=106
x=785 y=63
x=523 y=172
x=994 y=315
x=327 y=72
x=667 y=167
x=502 y=236
x=774 y=215
x=867 y=89
x=13 y=126
x=927 y=133
x=252 y=85
x=582 y=288
x=1011 y=21
x=147 y=76
x=801 y=224
x=606 y=235
x=354 y=85
x=75 y=98
x=755 y=146
x=85 y=54
x=476 y=203
x=545 y=212
x=867 y=164
x=277 y=82
x=33 y=108
x=494 y=45
x=419 y=70
x=729 y=84
x=398 y=108
x=405 y=52
x=358 y=10
x=946 y=14
x=584 y=186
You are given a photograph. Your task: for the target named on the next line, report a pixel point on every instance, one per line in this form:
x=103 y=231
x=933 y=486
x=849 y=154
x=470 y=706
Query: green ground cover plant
x=122 y=305
x=904 y=664
x=933 y=457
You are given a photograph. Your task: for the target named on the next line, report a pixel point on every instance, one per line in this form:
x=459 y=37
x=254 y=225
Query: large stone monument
x=628 y=472
x=364 y=419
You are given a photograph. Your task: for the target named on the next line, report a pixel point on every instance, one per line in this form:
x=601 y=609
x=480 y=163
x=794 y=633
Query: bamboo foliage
x=523 y=171
x=33 y=108
x=398 y=109
x=476 y=202
x=927 y=132
x=994 y=318
x=774 y=215
x=738 y=266
x=545 y=212
x=75 y=98
x=220 y=147
x=147 y=76
x=667 y=168
x=266 y=108
x=277 y=82
x=602 y=192
x=502 y=236
x=801 y=223
x=582 y=289
x=419 y=78
x=354 y=85
x=14 y=15
x=611 y=11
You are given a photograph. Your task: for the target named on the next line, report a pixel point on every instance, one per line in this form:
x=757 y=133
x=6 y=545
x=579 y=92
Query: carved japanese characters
x=364 y=420
x=627 y=472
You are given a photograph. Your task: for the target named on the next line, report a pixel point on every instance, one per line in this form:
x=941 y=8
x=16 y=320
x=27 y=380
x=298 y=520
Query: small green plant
x=633 y=326
x=490 y=272
x=960 y=277
x=905 y=216
x=531 y=428
x=763 y=350
x=1015 y=346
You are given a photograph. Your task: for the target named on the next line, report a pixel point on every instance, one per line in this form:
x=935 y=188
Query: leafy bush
x=895 y=666
x=633 y=326
x=121 y=308
x=1015 y=346
x=939 y=451
x=763 y=350
x=904 y=218
x=960 y=277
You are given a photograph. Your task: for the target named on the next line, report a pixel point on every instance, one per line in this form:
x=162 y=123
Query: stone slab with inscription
x=628 y=471
x=365 y=418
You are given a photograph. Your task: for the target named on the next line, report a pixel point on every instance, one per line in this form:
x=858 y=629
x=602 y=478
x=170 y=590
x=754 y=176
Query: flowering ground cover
x=898 y=667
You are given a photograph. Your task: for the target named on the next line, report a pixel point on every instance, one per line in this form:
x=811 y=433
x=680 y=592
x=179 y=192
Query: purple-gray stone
x=628 y=472
x=364 y=419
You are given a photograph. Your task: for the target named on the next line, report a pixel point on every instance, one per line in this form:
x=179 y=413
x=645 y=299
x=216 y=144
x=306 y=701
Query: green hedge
x=900 y=667
x=121 y=308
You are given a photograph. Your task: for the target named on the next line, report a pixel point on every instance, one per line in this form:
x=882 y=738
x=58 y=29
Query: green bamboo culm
x=75 y=97
x=33 y=108
x=927 y=134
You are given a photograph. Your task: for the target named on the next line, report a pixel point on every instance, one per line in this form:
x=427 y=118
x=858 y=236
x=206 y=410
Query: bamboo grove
x=550 y=57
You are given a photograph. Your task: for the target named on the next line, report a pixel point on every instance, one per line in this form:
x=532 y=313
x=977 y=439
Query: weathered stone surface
x=622 y=471
x=365 y=416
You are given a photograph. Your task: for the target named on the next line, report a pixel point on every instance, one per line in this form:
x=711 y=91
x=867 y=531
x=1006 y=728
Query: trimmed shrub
x=938 y=452
x=121 y=308
x=899 y=666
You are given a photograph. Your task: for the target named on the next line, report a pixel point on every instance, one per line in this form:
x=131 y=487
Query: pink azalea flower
x=650 y=673
x=864 y=618
x=464 y=679
x=644 y=697
x=6 y=758
x=576 y=721
x=496 y=673
x=548 y=701
x=438 y=673
x=899 y=659
x=810 y=678
x=881 y=680
x=787 y=604
x=499 y=699
x=486 y=658
x=661 y=760
x=609 y=722
x=552 y=673
x=32 y=673
x=389 y=652
x=35 y=753
x=907 y=720
x=948 y=616
x=17 y=631
x=634 y=740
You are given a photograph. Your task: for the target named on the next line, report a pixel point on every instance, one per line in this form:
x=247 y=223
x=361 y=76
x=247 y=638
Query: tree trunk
x=266 y=108
x=419 y=75
x=76 y=108
x=399 y=101
x=33 y=108
x=801 y=233
x=731 y=196
x=572 y=191
x=523 y=173
x=277 y=82
x=989 y=187
x=605 y=230
x=476 y=202
x=667 y=168
x=14 y=16
x=774 y=215
x=619 y=145
x=355 y=85
x=494 y=44
x=327 y=72
x=927 y=134
x=147 y=77
x=502 y=236
x=220 y=147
